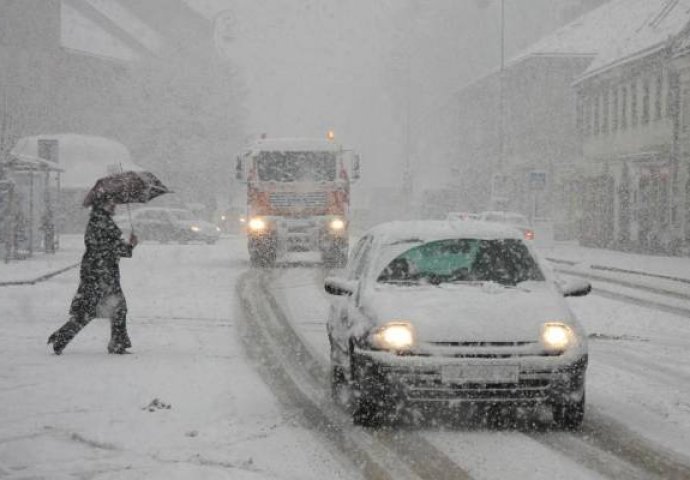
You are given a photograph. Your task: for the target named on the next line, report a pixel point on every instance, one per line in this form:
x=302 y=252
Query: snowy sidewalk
x=42 y=265
x=622 y=262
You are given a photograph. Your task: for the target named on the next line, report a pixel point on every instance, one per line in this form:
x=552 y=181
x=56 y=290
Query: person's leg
x=119 y=339
x=80 y=314
x=62 y=336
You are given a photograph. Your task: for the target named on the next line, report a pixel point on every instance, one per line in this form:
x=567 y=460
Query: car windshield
x=296 y=166
x=504 y=261
x=181 y=215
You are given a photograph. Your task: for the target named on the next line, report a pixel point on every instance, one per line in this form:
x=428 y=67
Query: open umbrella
x=126 y=187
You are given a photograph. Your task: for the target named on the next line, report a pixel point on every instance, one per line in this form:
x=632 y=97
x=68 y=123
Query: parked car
x=448 y=313
x=169 y=225
x=513 y=219
x=452 y=216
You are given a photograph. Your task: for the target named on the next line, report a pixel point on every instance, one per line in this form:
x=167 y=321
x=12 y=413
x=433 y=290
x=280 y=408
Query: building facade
x=631 y=184
x=681 y=67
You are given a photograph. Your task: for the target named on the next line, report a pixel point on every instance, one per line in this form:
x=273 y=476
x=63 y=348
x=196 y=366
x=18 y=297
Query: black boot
x=61 y=337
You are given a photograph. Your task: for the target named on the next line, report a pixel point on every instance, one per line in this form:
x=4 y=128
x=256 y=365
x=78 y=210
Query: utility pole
x=501 y=106
x=497 y=177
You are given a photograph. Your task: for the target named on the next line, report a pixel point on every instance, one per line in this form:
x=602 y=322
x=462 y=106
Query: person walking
x=99 y=291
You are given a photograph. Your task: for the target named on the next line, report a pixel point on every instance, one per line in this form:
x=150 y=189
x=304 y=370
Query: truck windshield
x=296 y=166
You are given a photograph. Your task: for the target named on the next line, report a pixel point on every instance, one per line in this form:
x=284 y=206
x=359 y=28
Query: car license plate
x=480 y=373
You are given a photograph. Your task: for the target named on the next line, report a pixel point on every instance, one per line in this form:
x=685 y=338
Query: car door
x=341 y=308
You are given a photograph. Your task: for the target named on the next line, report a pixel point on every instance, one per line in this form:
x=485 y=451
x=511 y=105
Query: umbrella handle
x=129 y=210
x=129 y=213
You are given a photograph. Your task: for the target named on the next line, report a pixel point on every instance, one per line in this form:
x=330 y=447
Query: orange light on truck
x=330 y=135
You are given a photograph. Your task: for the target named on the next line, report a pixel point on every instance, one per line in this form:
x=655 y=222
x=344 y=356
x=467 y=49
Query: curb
x=42 y=278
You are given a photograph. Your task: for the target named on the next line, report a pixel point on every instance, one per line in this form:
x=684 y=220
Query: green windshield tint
x=464 y=260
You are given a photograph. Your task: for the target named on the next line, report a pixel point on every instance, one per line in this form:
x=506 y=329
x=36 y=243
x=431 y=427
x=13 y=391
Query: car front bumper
x=414 y=379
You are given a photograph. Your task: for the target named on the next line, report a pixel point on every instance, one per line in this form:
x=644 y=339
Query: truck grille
x=294 y=199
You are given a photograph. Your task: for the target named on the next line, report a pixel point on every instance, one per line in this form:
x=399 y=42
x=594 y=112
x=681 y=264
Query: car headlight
x=556 y=337
x=337 y=224
x=217 y=229
x=393 y=336
x=195 y=228
x=257 y=224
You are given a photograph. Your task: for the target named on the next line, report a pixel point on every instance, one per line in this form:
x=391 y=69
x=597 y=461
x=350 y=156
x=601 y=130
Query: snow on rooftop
x=83 y=158
x=586 y=35
x=429 y=230
x=650 y=25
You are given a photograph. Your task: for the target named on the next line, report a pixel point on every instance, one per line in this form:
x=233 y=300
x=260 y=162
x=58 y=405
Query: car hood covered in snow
x=469 y=313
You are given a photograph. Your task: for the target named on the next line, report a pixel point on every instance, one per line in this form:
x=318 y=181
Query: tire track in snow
x=296 y=370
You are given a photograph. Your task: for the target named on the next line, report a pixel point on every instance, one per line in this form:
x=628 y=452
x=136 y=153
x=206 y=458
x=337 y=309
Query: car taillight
x=529 y=235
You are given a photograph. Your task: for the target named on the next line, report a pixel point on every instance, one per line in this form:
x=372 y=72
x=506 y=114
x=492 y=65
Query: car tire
x=569 y=415
x=262 y=254
x=373 y=403
x=336 y=256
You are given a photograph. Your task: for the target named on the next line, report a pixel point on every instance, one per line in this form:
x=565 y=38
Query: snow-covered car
x=169 y=225
x=453 y=216
x=513 y=219
x=446 y=313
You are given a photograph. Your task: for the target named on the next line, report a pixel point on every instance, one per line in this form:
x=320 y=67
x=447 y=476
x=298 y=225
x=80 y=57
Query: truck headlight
x=556 y=337
x=393 y=336
x=257 y=224
x=195 y=228
x=337 y=224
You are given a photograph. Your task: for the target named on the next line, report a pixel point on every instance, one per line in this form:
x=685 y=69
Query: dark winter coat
x=100 y=270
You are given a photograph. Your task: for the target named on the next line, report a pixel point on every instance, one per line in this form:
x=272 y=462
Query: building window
x=658 y=96
x=605 y=111
x=671 y=84
x=633 y=104
x=624 y=107
x=614 y=110
x=645 y=101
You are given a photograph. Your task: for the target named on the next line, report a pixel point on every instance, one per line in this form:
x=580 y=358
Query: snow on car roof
x=294 y=145
x=430 y=230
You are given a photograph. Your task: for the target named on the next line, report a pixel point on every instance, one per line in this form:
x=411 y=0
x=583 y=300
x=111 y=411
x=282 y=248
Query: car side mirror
x=339 y=286
x=576 y=288
x=355 y=168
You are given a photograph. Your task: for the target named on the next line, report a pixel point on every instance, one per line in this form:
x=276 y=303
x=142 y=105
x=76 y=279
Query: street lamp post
x=498 y=163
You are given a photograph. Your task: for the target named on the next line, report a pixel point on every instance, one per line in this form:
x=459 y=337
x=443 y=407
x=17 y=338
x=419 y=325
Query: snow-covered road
x=249 y=399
